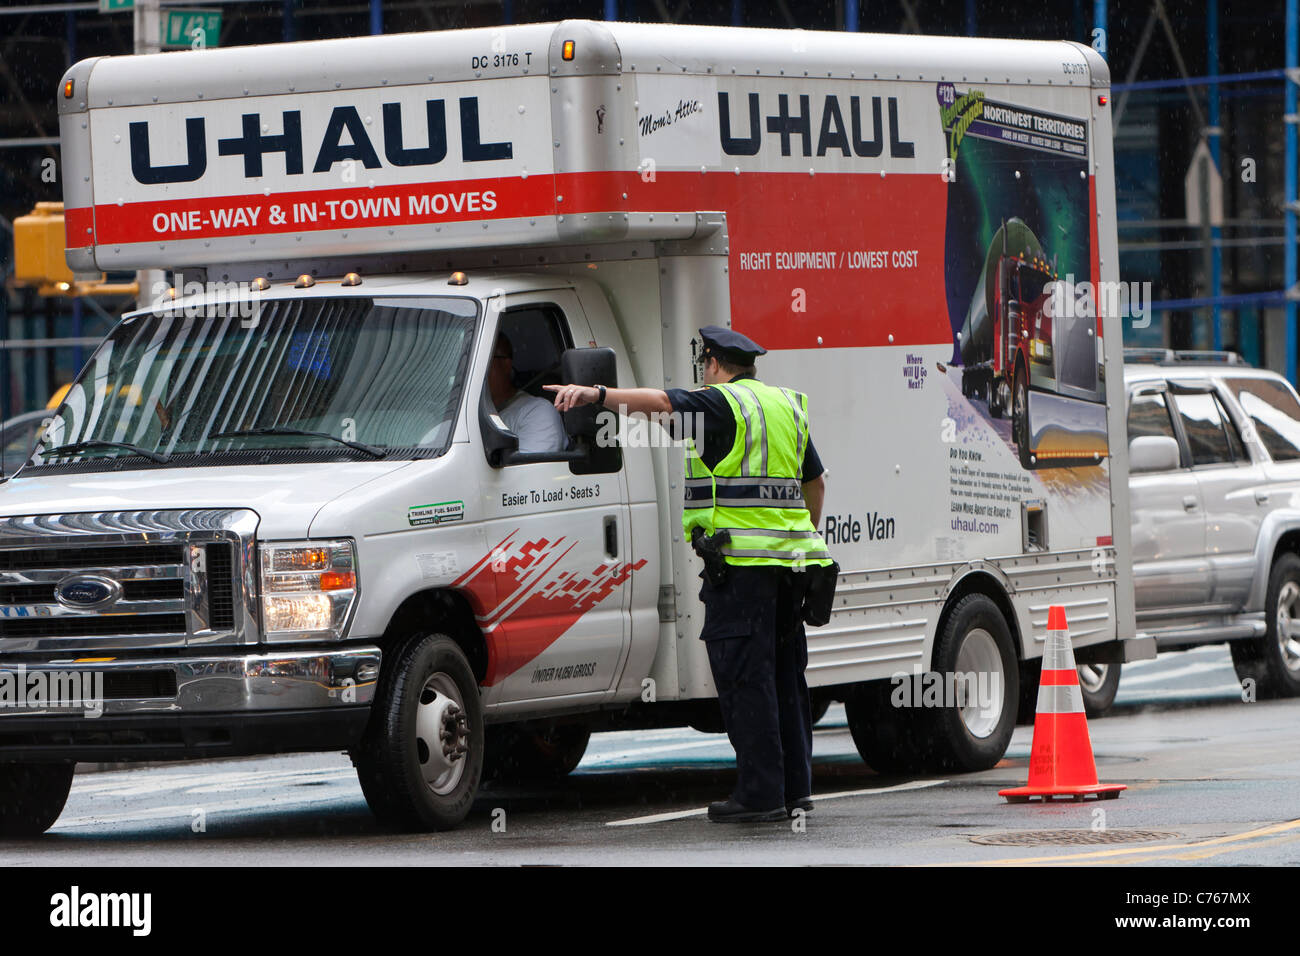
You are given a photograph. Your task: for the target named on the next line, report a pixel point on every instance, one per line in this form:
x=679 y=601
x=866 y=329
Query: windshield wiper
x=359 y=446
x=101 y=443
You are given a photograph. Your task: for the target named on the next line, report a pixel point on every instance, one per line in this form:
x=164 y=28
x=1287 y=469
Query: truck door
x=550 y=593
x=1170 y=568
x=1229 y=485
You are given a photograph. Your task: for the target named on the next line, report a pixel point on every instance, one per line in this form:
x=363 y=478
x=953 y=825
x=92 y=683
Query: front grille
x=93 y=625
x=178 y=576
x=110 y=556
x=145 y=589
x=221 y=586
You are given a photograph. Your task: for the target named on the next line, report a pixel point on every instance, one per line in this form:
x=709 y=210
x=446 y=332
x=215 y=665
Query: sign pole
x=148 y=37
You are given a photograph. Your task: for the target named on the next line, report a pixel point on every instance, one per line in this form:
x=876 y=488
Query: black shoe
x=729 y=811
x=803 y=803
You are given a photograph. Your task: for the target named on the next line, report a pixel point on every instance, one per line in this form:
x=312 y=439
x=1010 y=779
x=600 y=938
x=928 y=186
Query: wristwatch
x=601 y=399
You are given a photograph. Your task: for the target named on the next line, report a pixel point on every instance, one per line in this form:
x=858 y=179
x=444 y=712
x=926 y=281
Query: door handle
x=611 y=536
x=1189 y=503
x=1261 y=496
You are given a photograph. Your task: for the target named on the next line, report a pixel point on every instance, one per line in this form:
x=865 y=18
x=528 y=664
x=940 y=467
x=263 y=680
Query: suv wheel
x=421 y=758
x=1272 y=662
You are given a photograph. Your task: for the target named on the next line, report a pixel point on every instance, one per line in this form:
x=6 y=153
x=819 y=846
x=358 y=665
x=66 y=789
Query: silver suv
x=1214 y=487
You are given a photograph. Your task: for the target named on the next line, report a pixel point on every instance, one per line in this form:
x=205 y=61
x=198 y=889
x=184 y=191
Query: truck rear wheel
x=1272 y=662
x=32 y=795
x=972 y=729
x=534 y=750
x=422 y=755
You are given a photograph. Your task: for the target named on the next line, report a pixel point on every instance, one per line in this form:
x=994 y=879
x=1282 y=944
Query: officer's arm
x=813 y=493
x=647 y=401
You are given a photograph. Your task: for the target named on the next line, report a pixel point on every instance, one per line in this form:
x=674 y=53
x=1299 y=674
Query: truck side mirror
x=1152 y=453
x=587 y=367
x=589 y=424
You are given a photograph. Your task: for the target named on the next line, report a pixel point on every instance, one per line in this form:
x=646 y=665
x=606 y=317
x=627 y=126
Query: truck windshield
x=301 y=379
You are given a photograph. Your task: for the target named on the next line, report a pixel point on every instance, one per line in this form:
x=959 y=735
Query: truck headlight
x=308 y=588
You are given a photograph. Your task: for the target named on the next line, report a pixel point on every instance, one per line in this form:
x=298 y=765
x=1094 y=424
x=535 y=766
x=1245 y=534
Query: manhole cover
x=1071 y=837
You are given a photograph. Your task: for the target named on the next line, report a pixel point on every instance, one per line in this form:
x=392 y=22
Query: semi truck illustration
x=1017 y=349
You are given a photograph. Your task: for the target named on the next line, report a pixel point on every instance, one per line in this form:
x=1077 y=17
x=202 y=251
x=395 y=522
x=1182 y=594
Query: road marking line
x=1164 y=851
x=817 y=798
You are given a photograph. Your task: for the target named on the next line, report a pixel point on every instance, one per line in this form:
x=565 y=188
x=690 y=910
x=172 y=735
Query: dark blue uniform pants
x=758 y=651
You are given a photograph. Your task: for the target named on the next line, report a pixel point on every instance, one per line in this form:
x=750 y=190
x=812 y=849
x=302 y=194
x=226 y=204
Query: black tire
x=1020 y=420
x=1031 y=673
x=428 y=673
x=994 y=401
x=32 y=795
x=535 y=750
x=888 y=738
x=820 y=704
x=1272 y=662
x=975 y=636
x=1099 y=683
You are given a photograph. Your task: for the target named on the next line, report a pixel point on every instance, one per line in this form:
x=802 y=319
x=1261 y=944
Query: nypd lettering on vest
x=345 y=138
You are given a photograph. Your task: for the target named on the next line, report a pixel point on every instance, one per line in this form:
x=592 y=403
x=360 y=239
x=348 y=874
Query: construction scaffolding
x=1206 y=186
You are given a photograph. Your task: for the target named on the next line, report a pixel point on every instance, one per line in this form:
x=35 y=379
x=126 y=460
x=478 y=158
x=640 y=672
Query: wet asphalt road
x=1217 y=778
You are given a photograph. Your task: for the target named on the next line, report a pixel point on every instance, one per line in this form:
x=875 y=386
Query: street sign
x=113 y=6
x=192 y=29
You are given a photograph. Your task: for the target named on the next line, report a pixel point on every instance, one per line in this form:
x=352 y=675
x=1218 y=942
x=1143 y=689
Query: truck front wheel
x=1272 y=662
x=422 y=755
x=32 y=796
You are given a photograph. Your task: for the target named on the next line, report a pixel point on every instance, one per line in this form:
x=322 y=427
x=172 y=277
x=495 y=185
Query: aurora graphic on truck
x=1019 y=179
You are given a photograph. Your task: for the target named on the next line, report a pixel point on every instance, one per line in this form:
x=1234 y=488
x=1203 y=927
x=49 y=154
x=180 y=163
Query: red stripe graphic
x=825 y=261
x=523 y=607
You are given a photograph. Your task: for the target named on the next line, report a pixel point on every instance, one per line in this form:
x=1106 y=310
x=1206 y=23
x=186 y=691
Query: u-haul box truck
x=279 y=510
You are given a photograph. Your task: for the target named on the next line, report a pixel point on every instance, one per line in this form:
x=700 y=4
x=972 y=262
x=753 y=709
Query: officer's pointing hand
x=572 y=396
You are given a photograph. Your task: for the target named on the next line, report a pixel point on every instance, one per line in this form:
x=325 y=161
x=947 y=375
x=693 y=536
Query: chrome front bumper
x=231 y=684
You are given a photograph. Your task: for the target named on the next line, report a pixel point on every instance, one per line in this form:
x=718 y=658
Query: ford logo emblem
x=87 y=592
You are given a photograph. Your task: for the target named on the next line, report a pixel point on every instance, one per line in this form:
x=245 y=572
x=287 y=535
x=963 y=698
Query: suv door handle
x=1189 y=503
x=1261 y=496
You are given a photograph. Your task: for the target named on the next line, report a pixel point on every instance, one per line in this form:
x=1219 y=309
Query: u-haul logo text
x=809 y=123
x=345 y=139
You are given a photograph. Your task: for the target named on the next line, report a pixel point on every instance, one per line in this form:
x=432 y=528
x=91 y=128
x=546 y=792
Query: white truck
x=278 y=510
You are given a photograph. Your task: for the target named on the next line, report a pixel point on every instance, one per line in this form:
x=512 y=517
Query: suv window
x=1148 y=416
x=1274 y=412
x=1207 y=436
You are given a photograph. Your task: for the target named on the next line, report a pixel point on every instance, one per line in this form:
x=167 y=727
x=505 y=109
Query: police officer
x=754 y=488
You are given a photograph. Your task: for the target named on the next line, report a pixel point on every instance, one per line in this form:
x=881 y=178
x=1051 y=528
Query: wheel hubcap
x=980 y=684
x=441 y=734
x=1288 y=628
x=1092 y=676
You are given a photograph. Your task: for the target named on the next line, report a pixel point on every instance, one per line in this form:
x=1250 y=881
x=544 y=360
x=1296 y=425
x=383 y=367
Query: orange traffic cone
x=1060 y=763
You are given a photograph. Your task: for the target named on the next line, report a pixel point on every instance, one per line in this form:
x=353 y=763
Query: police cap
x=730 y=345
